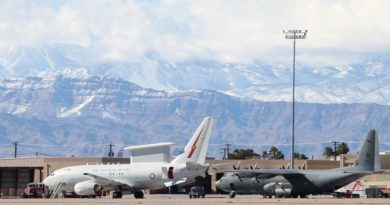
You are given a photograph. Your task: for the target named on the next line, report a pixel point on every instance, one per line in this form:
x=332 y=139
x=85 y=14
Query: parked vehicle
x=384 y=192
x=373 y=192
x=349 y=192
x=376 y=192
x=35 y=190
x=197 y=192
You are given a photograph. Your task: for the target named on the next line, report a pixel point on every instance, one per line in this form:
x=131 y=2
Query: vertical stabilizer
x=368 y=158
x=196 y=149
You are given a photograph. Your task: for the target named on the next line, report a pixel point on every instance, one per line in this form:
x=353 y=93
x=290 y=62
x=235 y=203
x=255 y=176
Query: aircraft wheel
x=138 y=195
x=116 y=194
x=232 y=194
x=382 y=195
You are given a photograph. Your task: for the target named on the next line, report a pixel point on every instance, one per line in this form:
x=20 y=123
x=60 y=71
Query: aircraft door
x=170 y=173
x=232 y=187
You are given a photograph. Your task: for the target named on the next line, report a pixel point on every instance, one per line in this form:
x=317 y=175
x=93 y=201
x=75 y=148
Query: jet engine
x=278 y=188
x=86 y=188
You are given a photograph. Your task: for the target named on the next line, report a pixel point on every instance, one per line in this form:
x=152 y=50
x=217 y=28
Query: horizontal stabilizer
x=195 y=166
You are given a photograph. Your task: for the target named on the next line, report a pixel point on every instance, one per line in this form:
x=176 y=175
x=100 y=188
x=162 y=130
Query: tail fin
x=368 y=158
x=196 y=149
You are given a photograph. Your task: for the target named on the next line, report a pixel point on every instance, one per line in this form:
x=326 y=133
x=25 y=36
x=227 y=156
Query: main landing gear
x=117 y=194
x=232 y=194
x=138 y=194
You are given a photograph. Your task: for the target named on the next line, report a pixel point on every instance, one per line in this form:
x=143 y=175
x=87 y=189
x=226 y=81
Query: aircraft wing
x=266 y=173
x=105 y=181
x=179 y=181
x=367 y=172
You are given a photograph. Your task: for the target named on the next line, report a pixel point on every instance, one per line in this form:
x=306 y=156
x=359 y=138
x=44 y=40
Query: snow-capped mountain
x=367 y=82
x=65 y=116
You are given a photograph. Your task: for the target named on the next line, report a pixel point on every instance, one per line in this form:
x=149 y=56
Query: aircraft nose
x=47 y=181
x=218 y=184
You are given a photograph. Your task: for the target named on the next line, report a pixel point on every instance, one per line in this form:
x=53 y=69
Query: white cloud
x=223 y=30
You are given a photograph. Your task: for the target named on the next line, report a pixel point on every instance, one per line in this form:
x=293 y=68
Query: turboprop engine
x=278 y=188
x=86 y=188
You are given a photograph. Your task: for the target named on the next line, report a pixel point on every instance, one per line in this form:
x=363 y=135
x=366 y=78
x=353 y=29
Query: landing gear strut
x=232 y=194
x=138 y=194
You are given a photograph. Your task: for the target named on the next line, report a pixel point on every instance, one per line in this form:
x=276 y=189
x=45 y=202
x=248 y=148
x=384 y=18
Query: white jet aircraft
x=149 y=168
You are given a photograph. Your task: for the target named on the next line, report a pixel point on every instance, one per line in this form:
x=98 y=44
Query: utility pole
x=224 y=153
x=294 y=34
x=334 y=150
x=111 y=153
x=15 y=143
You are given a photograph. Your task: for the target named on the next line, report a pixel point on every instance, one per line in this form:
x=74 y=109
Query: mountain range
x=60 y=115
x=365 y=82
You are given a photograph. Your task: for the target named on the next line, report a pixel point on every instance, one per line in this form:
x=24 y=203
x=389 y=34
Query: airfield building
x=15 y=173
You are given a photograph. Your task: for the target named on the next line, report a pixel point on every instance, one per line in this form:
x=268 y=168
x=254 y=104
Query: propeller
x=238 y=166
x=255 y=167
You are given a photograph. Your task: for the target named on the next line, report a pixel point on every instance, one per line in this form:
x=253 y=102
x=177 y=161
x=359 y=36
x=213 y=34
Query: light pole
x=294 y=34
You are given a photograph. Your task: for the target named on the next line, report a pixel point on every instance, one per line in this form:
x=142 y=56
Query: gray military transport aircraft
x=294 y=183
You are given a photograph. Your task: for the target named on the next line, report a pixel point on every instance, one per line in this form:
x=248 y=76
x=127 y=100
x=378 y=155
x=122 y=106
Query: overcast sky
x=223 y=30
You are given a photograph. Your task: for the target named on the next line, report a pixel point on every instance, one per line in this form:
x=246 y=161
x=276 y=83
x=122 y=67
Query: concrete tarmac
x=185 y=200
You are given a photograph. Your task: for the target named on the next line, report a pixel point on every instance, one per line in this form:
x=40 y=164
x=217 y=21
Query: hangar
x=15 y=173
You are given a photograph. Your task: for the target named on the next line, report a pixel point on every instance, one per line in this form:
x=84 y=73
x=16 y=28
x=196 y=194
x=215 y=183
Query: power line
x=294 y=34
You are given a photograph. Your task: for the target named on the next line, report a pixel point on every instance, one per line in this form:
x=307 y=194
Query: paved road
x=184 y=200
